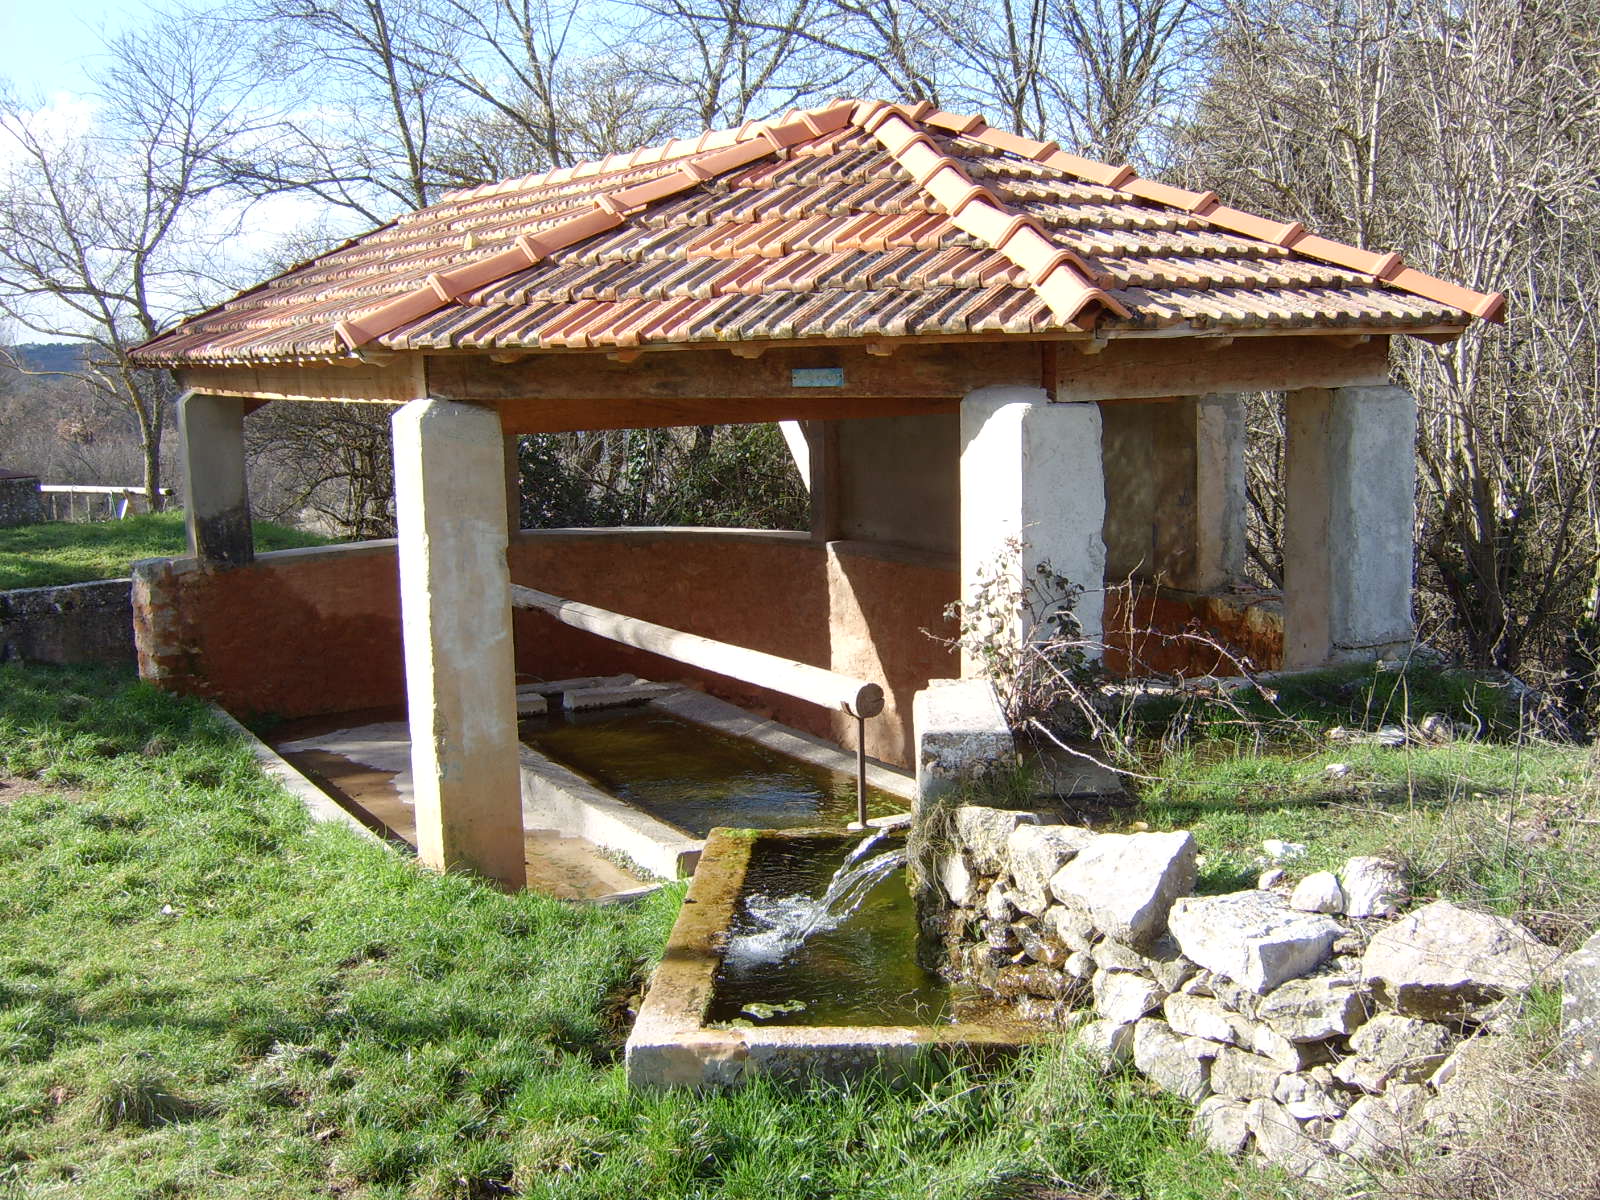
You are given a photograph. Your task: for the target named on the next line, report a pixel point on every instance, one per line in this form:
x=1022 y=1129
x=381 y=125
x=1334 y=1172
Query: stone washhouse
x=973 y=337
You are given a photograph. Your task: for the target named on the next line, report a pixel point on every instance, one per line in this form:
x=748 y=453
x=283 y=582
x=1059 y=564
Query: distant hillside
x=50 y=356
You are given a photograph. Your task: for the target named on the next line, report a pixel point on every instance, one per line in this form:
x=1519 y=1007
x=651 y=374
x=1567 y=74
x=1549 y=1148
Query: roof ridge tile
x=1066 y=284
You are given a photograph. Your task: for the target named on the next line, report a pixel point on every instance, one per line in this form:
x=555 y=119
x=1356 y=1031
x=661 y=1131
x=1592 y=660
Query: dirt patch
x=15 y=787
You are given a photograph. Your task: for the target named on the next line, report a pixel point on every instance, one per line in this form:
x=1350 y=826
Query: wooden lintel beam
x=394 y=382
x=568 y=414
x=566 y=391
x=1135 y=369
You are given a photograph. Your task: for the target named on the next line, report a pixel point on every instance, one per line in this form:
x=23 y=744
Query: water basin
x=695 y=777
x=863 y=970
x=851 y=999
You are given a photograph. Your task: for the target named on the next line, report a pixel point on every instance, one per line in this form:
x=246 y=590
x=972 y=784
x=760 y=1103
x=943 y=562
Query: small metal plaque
x=810 y=377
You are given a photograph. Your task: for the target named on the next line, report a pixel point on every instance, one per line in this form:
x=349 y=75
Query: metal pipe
x=861 y=771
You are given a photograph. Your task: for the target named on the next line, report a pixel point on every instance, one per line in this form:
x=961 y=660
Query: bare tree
x=104 y=229
x=1467 y=137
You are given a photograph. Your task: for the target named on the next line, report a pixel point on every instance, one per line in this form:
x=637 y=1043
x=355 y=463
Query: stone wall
x=1314 y=1026
x=21 y=502
x=76 y=623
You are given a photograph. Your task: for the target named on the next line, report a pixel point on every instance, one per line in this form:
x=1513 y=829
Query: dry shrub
x=1546 y=1146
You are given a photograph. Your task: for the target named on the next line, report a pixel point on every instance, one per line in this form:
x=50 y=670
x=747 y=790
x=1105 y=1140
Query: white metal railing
x=859 y=698
x=118 y=500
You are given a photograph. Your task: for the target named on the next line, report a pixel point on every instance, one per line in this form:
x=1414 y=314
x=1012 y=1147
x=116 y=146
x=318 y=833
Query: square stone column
x=1350 y=483
x=1175 y=491
x=1219 y=492
x=455 y=601
x=1031 y=470
x=216 y=499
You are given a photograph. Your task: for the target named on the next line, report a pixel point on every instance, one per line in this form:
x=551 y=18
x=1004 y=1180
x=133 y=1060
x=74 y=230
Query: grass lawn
x=67 y=552
x=201 y=996
x=1500 y=820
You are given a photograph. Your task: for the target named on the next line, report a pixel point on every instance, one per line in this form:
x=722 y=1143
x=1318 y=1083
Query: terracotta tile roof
x=857 y=220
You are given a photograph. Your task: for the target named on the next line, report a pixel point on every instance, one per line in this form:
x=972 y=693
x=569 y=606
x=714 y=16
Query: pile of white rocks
x=1307 y=1024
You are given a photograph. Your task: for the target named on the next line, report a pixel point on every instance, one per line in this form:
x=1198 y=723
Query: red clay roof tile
x=858 y=219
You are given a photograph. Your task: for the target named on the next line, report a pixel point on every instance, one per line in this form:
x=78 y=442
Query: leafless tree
x=104 y=229
x=1467 y=136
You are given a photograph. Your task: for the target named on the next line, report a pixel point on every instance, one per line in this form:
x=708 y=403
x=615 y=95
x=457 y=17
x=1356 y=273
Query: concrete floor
x=363 y=760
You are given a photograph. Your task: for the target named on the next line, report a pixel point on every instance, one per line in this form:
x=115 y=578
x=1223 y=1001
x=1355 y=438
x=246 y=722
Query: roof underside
x=860 y=220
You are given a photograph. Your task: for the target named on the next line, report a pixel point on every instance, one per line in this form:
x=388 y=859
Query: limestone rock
x=1111 y=955
x=1280 y=1139
x=1243 y=1075
x=1122 y=996
x=1290 y=1055
x=1443 y=961
x=1314 y=1007
x=957 y=881
x=1253 y=937
x=1173 y=1063
x=1271 y=878
x=1318 y=892
x=1127 y=882
x=1373 y=887
x=1305 y=1096
x=995 y=905
x=1079 y=965
x=1197 y=1016
x=1034 y=853
x=1075 y=929
x=1378 y=1126
x=1110 y=1043
x=1580 y=1010
x=983 y=833
x=1043 y=948
x=1220 y=1123
x=1171 y=967
x=1032 y=980
x=1360 y=1075
x=1406 y=1048
x=1471 y=1089
x=1041 y=1010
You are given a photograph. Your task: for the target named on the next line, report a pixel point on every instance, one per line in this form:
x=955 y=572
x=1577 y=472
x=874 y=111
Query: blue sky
x=47 y=44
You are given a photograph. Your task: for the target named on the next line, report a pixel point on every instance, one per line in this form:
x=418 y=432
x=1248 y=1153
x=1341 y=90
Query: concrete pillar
x=1349 y=482
x=822 y=476
x=216 y=500
x=1175 y=498
x=1031 y=470
x=1220 y=503
x=455 y=601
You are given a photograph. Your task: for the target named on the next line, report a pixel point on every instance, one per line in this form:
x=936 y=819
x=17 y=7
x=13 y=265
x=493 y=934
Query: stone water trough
x=677 y=1041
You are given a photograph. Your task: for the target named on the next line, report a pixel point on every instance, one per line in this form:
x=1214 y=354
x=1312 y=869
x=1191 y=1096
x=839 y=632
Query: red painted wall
x=308 y=632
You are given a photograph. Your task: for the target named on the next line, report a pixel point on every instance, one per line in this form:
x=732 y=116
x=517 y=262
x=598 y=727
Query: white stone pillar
x=1350 y=481
x=216 y=499
x=1219 y=509
x=1031 y=470
x=455 y=599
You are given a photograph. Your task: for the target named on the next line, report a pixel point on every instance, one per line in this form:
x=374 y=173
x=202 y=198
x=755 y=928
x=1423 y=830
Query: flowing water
x=697 y=778
x=785 y=922
x=816 y=944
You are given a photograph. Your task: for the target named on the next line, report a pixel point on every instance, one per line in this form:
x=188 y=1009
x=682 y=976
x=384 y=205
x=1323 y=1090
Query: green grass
x=1501 y=820
x=65 y=552
x=201 y=996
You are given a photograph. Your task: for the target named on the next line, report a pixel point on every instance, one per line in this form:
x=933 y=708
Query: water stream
x=783 y=923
